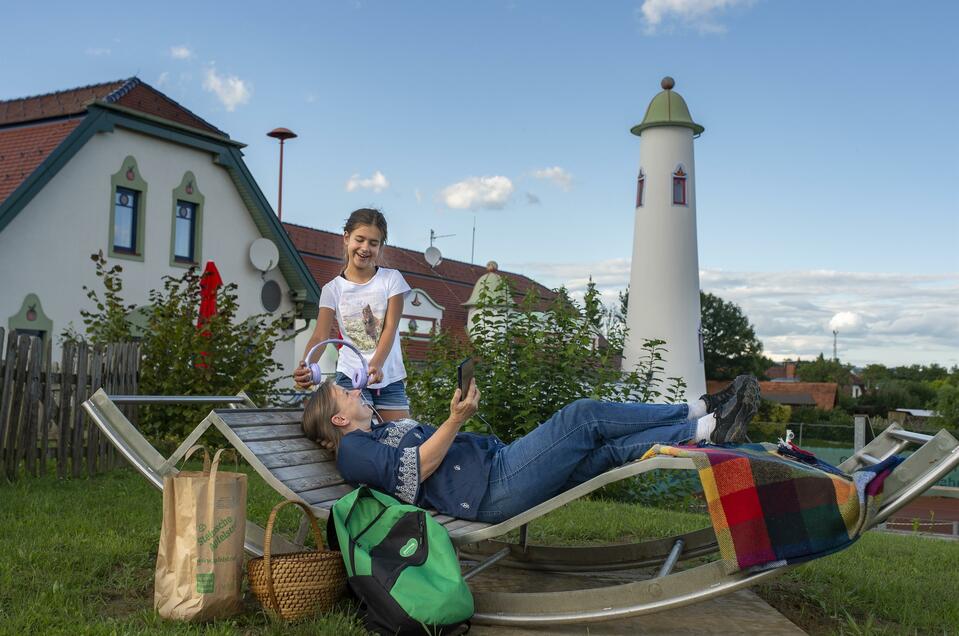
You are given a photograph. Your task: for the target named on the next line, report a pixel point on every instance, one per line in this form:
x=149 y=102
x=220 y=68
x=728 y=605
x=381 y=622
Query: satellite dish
x=264 y=255
x=433 y=256
x=270 y=296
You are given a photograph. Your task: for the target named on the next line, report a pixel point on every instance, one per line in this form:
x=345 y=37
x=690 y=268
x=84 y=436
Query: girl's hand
x=303 y=377
x=375 y=375
x=461 y=409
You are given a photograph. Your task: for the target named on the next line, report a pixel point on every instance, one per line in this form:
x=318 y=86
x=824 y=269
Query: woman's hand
x=303 y=377
x=461 y=409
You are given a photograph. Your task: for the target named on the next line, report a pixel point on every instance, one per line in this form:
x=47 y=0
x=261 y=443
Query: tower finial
x=668 y=83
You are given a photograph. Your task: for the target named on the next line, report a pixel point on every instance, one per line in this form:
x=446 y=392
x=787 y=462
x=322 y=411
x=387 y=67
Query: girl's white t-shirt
x=360 y=313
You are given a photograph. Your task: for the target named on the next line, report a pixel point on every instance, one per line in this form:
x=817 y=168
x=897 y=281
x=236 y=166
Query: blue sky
x=825 y=178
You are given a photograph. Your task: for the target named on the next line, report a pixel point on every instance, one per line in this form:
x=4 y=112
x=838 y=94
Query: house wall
x=46 y=249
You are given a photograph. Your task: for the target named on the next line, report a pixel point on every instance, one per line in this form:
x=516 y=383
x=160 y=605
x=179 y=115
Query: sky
x=826 y=177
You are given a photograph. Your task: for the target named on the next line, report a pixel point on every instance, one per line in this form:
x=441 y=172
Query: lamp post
x=282 y=134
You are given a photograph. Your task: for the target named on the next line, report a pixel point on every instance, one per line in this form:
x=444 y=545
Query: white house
x=120 y=167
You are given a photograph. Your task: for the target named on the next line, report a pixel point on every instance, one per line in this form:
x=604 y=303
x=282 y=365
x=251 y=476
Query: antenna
x=473 y=247
x=835 y=334
x=432 y=254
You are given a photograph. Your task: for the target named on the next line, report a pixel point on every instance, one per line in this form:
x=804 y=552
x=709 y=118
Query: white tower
x=664 y=280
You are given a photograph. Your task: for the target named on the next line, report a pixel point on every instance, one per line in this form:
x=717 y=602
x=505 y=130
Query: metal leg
x=485 y=564
x=524 y=536
x=671 y=559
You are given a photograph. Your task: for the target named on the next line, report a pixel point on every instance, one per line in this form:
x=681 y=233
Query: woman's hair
x=318 y=415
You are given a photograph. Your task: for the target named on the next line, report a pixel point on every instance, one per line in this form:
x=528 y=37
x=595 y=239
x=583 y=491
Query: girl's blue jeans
x=580 y=441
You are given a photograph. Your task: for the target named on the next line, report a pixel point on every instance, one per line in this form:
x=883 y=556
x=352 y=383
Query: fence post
x=859 y=433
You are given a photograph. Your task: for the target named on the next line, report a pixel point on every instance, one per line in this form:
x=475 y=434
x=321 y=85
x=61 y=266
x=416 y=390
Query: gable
x=104 y=117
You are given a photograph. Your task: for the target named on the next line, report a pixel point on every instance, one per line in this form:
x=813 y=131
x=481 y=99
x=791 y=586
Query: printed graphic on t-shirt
x=363 y=316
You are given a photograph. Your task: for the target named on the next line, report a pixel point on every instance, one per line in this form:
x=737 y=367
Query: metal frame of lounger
x=271 y=440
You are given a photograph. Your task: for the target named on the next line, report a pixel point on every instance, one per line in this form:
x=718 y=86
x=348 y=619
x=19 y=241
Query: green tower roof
x=667 y=109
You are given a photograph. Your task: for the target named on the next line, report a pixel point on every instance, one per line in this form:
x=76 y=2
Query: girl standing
x=366 y=301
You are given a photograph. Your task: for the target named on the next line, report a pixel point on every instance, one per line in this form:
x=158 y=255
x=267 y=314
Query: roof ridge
x=66 y=90
x=128 y=86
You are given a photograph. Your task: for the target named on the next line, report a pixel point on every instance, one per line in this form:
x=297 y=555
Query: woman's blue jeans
x=580 y=441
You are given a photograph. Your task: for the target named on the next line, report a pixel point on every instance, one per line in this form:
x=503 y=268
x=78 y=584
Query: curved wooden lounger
x=271 y=440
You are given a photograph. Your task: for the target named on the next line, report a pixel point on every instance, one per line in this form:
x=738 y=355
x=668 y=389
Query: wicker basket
x=300 y=584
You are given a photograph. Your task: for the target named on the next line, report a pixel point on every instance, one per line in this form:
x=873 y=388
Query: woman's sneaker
x=715 y=400
x=733 y=415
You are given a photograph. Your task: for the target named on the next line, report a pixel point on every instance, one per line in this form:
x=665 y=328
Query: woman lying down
x=478 y=477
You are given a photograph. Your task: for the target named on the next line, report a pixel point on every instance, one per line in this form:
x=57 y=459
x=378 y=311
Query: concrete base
x=741 y=612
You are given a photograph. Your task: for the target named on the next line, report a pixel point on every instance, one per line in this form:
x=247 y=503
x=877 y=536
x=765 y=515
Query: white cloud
x=492 y=193
x=229 y=89
x=557 y=175
x=846 y=322
x=696 y=14
x=181 y=52
x=891 y=318
x=97 y=51
x=376 y=183
x=163 y=79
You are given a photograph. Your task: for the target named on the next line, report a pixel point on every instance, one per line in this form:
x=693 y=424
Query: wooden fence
x=41 y=420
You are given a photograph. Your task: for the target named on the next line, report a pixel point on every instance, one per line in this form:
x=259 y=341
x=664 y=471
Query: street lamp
x=282 y=134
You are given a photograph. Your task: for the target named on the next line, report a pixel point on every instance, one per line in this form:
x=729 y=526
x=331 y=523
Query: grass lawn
x=77 y=557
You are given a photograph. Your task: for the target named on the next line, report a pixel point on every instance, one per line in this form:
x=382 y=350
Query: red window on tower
x=679 y=187
x=640 y=188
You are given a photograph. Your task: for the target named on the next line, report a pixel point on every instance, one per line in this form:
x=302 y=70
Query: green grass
x=77 y=557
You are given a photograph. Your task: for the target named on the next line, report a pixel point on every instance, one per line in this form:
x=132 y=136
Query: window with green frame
x=127 y=212
x=186 y=231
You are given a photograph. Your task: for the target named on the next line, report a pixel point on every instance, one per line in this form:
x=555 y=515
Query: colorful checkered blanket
x=771 y=508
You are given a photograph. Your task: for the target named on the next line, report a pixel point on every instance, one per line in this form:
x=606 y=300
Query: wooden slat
x=93 y=437
x=6 y=380
x=16 y=407
x=298 y=458
x=314 y=482
x=29 y=441
x=79 y=395
x=471 y=527
x=456 y=523
x=238 y=418
x=325 y=494
x=48 y=410
x=303 y=470
x=281 y=446
x=63 y=440
x=264 y=433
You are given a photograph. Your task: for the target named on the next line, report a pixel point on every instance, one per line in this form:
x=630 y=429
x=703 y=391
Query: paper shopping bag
x=200 y=559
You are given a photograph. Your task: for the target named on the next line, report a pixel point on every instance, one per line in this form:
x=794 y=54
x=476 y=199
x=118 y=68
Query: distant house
x=123 y=169
x=821 y=395
x=913 y=419
x=440 y=296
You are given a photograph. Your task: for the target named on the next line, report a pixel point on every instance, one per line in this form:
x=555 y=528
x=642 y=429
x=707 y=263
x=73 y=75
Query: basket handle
x=268 y=539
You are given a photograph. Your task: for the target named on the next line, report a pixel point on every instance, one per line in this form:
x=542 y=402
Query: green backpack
x=401 y=564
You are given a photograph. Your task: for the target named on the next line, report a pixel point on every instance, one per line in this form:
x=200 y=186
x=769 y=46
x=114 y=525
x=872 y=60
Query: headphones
x=360 y=376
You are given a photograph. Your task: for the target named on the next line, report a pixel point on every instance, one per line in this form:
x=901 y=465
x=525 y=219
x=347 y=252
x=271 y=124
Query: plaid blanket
x=771 y=506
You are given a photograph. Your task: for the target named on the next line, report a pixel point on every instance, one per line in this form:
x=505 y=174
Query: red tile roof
x=449 y=284
x=24 y=148
x=60 y=104
x=32 y=127
x=822 y=393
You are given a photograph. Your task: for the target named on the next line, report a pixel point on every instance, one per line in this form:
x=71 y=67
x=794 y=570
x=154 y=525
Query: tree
x=730 y=345
x=823 y=370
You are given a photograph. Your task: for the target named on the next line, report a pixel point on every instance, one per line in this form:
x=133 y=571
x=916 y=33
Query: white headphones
x=360 y=376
